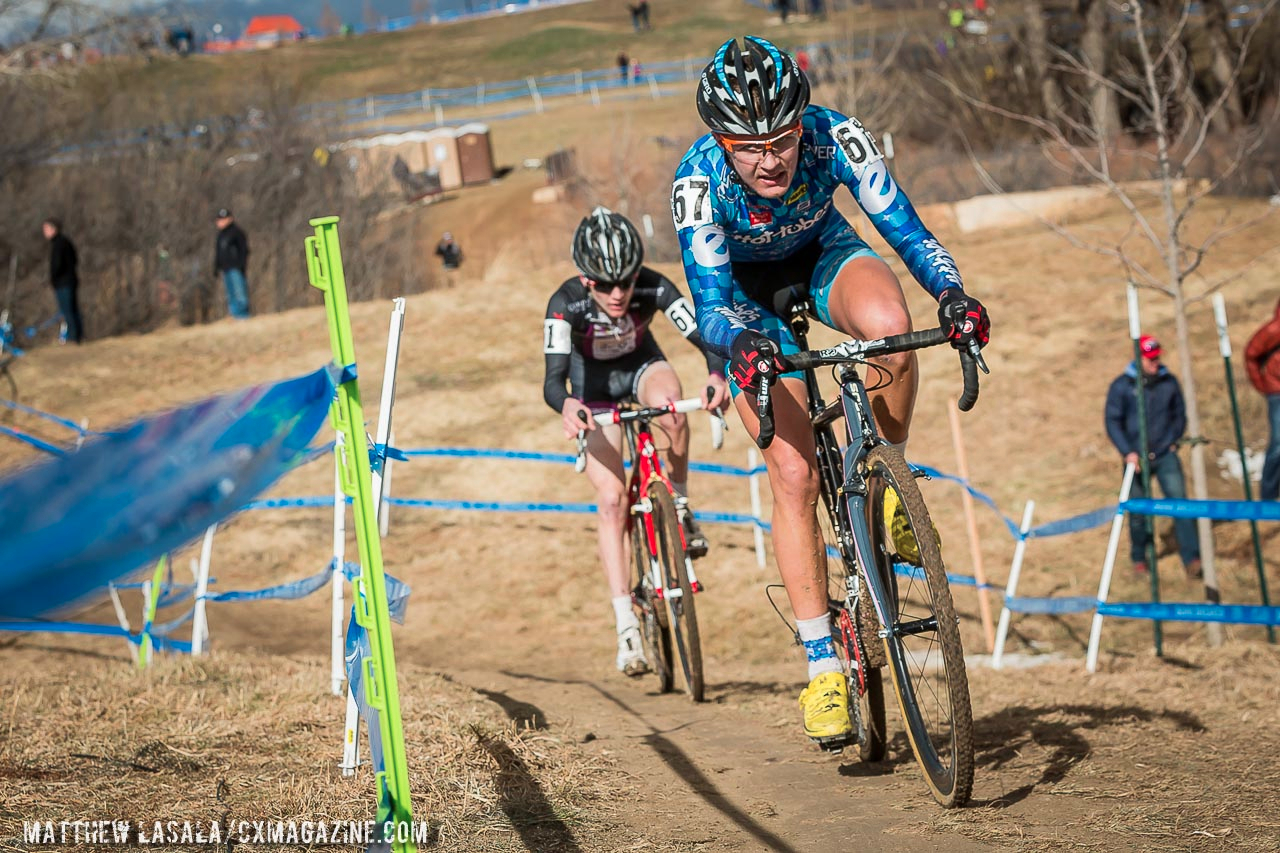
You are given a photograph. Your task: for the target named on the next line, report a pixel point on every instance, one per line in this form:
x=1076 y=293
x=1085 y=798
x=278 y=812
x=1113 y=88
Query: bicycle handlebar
x=858 y=351
x=622 y=415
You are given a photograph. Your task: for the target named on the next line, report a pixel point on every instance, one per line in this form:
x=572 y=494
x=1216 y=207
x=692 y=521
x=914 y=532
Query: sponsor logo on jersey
x=877 y=191
x=709 y=246
x=759 y=215
x=798 y=193
x=799 y=226
x=824 y=152
x=735 y=318
x=940 y=259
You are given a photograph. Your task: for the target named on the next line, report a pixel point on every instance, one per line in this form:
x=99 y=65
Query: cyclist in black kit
x=596 y=336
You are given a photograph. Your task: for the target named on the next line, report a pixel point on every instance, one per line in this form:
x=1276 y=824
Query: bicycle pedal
x=834 y=745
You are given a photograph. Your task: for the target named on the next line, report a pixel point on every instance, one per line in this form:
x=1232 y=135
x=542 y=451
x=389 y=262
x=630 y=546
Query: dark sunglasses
x=608 y=286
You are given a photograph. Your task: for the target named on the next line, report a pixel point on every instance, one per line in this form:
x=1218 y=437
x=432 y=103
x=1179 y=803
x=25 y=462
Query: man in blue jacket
x=1166 y=424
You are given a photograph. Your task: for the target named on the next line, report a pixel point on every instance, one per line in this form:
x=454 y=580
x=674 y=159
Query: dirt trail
x=711 y=777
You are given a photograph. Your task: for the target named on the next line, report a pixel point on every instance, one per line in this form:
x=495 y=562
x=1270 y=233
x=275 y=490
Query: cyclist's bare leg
x=659 y=385
x=797 y=541
x=604 y=471
x=866 y=302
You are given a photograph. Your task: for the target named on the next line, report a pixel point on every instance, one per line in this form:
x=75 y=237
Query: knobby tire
x=653 y=613
x=682 y=617
x=935 y=706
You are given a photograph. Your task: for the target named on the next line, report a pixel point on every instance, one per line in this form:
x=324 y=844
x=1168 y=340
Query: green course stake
x=324 y=267
x=153 y=601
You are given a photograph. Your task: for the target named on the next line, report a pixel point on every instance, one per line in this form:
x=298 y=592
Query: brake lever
x=976 y=351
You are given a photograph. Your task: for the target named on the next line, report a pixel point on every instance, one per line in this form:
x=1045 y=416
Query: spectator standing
x=624 y=66
x=1166 y=416
x=231 y=258
x=784 y=9
x=449 y=251
x=64 y=277
x=1262 y=359
x=637 y=70
x=644 y=14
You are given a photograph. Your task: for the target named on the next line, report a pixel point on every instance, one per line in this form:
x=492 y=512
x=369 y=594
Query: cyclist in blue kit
x=752 y=206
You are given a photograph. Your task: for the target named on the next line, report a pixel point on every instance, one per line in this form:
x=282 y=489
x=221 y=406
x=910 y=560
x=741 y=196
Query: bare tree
x=330 y=22
x=1151 y=78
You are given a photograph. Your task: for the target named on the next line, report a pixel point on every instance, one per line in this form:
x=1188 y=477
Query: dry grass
x=235 y=738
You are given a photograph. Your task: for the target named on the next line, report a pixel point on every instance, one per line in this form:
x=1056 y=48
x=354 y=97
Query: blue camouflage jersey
x=719 y=221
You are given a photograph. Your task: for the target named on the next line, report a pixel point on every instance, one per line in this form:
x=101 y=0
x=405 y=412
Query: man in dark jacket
x=63 y=277
x=449 y=251
x=231 y=257
x=1166 y=422
x=1262 y=359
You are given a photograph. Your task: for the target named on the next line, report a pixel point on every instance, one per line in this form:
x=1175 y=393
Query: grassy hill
x=559 y=39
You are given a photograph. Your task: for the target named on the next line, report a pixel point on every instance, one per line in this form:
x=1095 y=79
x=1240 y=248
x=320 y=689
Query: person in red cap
x=1166 y=424
x=1262 y=358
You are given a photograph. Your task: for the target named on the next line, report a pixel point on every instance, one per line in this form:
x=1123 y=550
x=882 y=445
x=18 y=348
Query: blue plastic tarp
x=70 y=525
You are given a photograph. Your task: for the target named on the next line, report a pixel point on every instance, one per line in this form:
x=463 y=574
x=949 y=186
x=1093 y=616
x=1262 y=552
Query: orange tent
x=283 y=26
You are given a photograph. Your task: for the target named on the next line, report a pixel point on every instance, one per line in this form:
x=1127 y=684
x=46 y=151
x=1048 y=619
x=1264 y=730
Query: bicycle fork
x=642 y=509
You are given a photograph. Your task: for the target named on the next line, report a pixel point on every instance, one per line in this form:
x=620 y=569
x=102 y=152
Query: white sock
x=681 y=489
x=901 y=447
x=623 y=613
x=815 y=636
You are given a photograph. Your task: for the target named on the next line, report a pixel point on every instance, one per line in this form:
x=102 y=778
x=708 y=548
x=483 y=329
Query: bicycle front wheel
x=682 y=617
x=923 y=648
x=653 y=613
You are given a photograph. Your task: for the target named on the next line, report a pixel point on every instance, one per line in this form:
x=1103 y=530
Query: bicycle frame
x=847 y=483
x=646 y=466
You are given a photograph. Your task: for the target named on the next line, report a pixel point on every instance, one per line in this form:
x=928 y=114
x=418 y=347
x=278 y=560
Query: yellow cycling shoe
x=826 y=710
x=904 y=539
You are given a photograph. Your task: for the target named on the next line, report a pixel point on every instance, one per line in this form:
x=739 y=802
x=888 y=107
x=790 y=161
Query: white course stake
x=1108 y=565
x=200 y=623
x=1011 y=588
x=351 y=730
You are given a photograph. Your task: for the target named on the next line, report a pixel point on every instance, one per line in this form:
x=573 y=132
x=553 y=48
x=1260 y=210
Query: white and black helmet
x=752 y=89
x=607 y=247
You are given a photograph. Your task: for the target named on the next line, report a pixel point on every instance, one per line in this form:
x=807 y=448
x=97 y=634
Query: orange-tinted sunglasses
x=750 y=149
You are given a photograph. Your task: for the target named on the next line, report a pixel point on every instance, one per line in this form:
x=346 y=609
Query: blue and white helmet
x=751 y=89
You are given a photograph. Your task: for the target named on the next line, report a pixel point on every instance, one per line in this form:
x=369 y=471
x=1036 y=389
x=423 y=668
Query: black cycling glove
x=753 y=356
x=963 y=319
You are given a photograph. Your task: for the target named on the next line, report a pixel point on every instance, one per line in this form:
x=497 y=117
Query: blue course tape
x=492 y=506
x=907 y=570
x=1223 y=510
x=160 y=643
x=71 y=425
x=1054 y=606
x=33 y=441
x=1234 y=614
x=561 y=458
x=290 y=591
x=1074 y=524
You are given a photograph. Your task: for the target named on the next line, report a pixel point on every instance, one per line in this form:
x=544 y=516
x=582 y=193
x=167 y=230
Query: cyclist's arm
x=860 y=165
x=557 y=347
x=678 y=310
x=705 y=252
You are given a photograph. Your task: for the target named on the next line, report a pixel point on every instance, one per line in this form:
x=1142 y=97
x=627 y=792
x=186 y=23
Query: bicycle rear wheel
x=653 y=614
x=682 y=617
x=855 y=635
x=925 y=656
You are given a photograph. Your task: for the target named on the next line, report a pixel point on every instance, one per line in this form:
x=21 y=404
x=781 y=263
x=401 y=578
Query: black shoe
x=695 y=544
